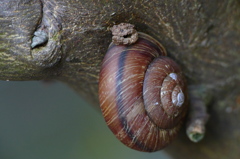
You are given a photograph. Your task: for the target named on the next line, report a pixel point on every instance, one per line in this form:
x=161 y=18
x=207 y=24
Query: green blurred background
x=50 y=121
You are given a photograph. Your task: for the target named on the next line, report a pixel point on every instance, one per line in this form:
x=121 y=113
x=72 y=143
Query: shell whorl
x=142 y=94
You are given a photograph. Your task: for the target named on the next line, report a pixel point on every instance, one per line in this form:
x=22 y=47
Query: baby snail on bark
x=142 y=93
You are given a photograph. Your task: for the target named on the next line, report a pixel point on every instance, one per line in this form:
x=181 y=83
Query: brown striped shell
x=142 y=94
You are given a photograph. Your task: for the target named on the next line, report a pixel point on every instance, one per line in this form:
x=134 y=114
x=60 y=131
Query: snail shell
x=142 y=94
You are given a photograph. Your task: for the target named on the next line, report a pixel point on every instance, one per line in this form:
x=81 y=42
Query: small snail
x=142 y=94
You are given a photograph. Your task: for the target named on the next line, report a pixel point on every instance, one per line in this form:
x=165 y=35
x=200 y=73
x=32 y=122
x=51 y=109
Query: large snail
x=142 y=94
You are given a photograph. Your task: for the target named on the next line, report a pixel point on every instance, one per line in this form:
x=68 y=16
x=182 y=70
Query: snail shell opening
x=142 y=94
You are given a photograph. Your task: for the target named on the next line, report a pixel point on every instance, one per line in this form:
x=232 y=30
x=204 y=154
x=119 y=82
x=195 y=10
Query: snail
x=142 y=94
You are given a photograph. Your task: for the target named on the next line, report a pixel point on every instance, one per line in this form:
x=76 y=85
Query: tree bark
x=201 y=36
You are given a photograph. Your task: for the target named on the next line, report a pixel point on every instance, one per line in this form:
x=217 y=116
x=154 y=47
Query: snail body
x=142 y=94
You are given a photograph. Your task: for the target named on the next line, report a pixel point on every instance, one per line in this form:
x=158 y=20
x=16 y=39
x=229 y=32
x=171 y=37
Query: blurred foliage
x=48 y=120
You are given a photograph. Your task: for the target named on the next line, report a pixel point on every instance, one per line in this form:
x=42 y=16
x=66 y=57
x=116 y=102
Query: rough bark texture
x=202 y=36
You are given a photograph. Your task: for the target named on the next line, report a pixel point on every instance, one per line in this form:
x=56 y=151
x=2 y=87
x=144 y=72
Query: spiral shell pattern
x=142 y=94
